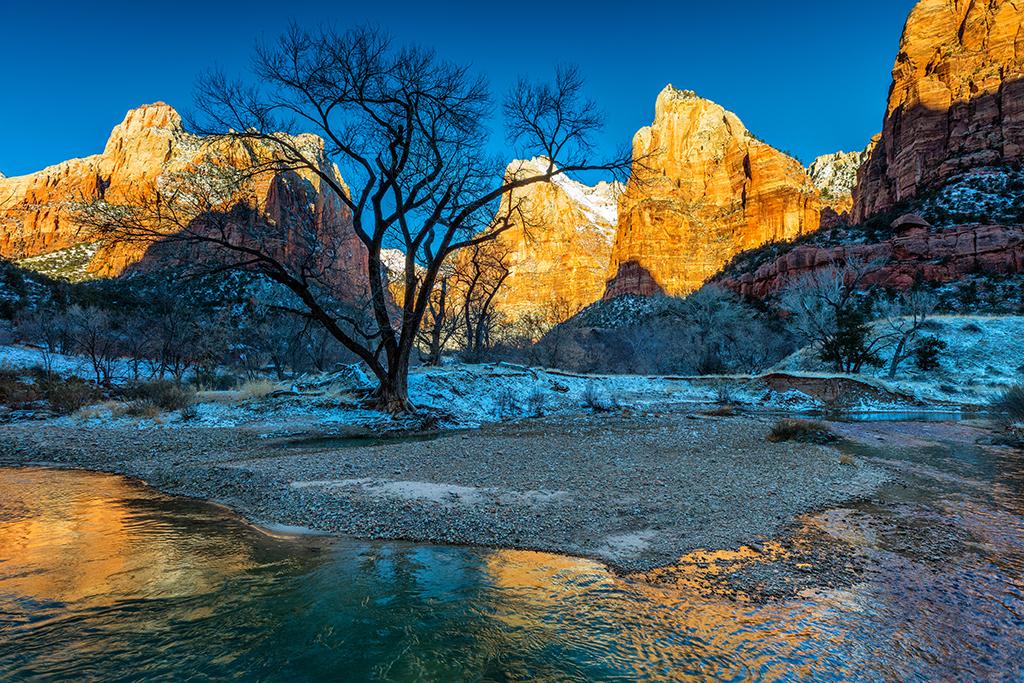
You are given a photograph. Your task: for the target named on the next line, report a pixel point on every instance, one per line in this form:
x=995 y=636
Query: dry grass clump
x=802 y=431
x=141 y=408
x=99 y=411
x=255 y=389
x=726 y=410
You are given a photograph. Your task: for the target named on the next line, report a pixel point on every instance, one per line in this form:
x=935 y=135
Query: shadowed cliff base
x=632 y=278
x=919 y=255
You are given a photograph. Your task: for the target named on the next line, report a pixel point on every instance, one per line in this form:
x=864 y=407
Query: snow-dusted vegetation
x=982 y=357
x=69 y=264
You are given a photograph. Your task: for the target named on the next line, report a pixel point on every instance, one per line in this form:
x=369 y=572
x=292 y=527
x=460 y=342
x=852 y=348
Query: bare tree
x=409 y=133
x=904 y=317
x=98 y=339
x=137 y=341
x=479 y=282
x=830 y=310
x=47 y=327
x=443 y=318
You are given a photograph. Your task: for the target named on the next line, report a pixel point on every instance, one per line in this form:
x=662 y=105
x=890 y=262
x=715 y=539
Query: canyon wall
x=956 y=101
x=37 y=210
x=703 y=189
x=835 y=176
x=918 y=254
x=558 y=246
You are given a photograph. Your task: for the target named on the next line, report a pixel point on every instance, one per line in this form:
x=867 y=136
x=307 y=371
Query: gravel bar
x=634 y=491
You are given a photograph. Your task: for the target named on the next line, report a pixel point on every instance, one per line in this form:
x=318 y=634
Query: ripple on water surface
x=103 y=578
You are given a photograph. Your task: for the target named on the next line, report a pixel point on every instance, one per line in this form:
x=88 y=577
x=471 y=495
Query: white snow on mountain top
x=599 y=203
x=836 y=174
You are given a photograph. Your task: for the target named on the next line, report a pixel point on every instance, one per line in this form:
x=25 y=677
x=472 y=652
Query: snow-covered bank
x=984 y=356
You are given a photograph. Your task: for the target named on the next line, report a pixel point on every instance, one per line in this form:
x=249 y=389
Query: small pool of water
x=907 y=416
x=102 y=578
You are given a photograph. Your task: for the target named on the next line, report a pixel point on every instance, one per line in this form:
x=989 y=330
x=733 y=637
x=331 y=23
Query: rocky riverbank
x=634 y=491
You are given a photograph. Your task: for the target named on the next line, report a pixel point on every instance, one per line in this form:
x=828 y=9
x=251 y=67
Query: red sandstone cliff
x=956 y=101
x=36 y=210
x=936 y=256
x=704 y=189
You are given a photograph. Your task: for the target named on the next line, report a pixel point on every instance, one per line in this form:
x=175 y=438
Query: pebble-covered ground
x=636 y=491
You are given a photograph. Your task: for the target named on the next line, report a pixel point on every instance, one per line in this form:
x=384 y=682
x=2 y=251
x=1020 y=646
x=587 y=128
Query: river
x=103 y=578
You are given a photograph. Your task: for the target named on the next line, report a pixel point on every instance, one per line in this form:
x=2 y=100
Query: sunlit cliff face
x=95 y=538
x=557 y=244
x=956 y=101
x=703 y=189
x=147 y=155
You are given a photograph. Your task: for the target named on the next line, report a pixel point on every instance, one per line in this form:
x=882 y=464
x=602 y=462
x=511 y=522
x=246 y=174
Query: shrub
x=973 y=328
x=536 y=402
x=508 y=404
x=213 y=381
x=724 y=394
x=164 y=394
x=13 y=391
x=67 y=396
x=596 y=399
x=927 y=352
x=803 y=431
x=1011 y=403
x=9 y=374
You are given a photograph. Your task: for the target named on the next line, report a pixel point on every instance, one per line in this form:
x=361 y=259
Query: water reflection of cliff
x=94 y=537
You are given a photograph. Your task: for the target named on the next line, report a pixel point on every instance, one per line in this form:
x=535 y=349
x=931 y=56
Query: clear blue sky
x=808 y=76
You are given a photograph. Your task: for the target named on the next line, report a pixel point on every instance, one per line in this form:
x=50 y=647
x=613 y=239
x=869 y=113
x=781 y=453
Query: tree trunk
x=392 y=396
x=897 y=357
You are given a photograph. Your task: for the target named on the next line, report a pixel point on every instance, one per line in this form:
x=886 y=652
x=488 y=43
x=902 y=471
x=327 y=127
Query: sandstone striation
x=559 y=245
x=149 y=146
x=916 y=253
x=956 y=101
x=703 y=189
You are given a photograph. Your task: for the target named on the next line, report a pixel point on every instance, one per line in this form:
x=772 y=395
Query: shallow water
x=103 y=578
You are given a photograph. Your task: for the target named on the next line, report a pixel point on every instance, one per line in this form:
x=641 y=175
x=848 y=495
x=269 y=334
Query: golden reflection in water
x=683 y=624
x=86 y=541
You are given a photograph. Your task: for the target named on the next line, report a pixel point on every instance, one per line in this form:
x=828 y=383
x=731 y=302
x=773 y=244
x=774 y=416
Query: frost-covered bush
x=596 y=399
x=508 y=404
x=536 y=402
x=1011 y=403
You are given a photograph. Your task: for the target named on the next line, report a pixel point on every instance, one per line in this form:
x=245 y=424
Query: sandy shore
x=634 y=491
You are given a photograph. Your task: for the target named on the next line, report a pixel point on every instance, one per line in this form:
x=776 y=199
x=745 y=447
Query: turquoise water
x=102 y=578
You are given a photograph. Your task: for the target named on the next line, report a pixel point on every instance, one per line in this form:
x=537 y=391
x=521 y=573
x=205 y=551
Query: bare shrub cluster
x=710 y=332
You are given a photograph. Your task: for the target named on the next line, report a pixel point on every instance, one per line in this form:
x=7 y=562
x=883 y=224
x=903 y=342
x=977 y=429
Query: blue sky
x=809 y=77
